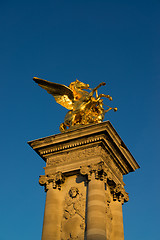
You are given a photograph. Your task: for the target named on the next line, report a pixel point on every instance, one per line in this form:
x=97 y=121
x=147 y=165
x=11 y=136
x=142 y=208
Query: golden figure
x=84 y=107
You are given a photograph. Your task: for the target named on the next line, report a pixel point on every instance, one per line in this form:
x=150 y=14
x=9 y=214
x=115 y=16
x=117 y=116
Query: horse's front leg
x=104 y=95
x=96 y=94
x=94 y=89
x=73 y=121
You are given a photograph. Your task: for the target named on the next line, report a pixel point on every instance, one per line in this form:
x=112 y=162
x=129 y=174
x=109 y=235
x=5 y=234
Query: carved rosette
x=52 y=180
x=100 y=170
x=119 y=193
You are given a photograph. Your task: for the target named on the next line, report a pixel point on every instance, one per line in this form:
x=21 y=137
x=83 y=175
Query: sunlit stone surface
x=84 y=184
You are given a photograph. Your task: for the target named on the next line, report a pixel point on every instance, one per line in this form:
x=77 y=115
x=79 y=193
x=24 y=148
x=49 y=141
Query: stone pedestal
x=84 y=183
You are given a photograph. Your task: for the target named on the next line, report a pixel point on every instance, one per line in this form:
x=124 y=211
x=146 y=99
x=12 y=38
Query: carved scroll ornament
x=52 y=180
x=119 y=193
x=100 y=170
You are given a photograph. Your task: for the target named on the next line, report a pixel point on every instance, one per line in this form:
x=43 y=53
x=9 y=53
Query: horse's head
x=78 y=85
x=77 y=88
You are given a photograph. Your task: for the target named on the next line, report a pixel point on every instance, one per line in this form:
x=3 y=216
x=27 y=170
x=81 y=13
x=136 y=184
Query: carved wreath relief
x=73 y=222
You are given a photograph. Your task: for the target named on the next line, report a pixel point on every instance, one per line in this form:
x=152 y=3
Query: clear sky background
x=93 y=40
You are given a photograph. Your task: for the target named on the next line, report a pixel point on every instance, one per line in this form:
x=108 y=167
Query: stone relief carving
x=71 y=156
x=100 y=170
x=52 y=180
x=73 y=222
x=119 y=193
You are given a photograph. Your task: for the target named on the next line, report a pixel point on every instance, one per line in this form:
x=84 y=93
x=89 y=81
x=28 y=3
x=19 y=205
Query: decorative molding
x=103 y=173
x=52 y=180
x=75 y=156
x=100 y=170
x=101 y=134
x=79 y=142
x=119 y=193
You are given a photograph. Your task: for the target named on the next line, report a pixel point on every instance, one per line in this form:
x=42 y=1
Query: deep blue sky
x=94 y=41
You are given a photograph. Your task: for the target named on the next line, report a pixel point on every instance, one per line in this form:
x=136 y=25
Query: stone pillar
x=51 y=228
x=119 y=197
x=98 y=153
x=53 y=206
x=104 y=217
x=96 y=222
x=96 y=208
x=117 y=221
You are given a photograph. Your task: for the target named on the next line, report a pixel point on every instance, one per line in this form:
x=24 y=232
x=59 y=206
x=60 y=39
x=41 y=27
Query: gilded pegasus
x=84 y=108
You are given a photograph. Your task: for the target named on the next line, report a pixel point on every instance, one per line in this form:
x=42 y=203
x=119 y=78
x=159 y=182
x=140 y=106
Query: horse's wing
x=61 y=93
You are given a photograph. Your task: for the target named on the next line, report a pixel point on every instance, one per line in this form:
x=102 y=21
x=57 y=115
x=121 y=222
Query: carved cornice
x=70 y=146
x=77 y=157
x=119 y=193
x=99 y=134
x=52 y=180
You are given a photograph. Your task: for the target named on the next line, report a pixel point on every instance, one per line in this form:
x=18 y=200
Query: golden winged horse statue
x=83 y=107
